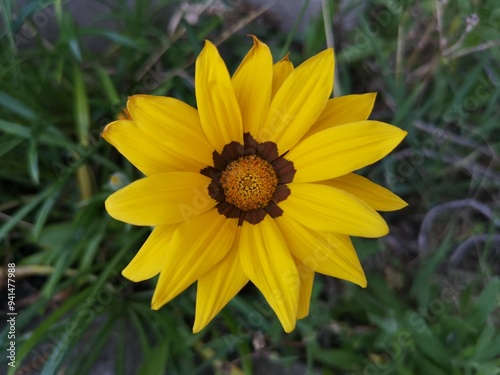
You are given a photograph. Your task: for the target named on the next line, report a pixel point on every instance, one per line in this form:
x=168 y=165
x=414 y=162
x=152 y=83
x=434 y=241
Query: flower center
x=249 y=182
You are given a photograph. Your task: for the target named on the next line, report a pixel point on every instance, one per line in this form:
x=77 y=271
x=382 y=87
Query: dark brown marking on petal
x=267 y=151
x=232 y=151
x=228 y=210
x=212 y=173
x=219 y=161
x=255 y=216
x=285 y=171
x=250 y=144
x=273 y=210
x=241 y=218
x=282 y=192
x=286 y=179
x=216 y=191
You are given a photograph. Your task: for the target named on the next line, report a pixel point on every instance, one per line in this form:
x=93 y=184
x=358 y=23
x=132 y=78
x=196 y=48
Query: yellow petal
x=378 y=197
x=343 y=110
x=144 y=152
x=342 y=149
x=299 y=101
x=281 y=71
x=324 y=208
x=164 y=198
x=326 y=253
x=148 y=262
x=217 y=105
x=196 y=247
x=267 y=262
x=218 y=286
x=252 y=83
x=306 y=276
x=173 y=123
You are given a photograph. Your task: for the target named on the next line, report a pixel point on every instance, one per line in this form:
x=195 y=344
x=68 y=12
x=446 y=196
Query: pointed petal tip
x=208 y=47
x=360 y=279
x=256 y=40
x=139 y=99
x=109 y=205
x=327 y=54
x=257 y=43
x=379 y=228
x=288 y=327
x=286 y=58
x=302 y=316
x=397 y=204
x=209 y=44
x=197 y=327
x=134 y=100
x=129 y=275
x=383 y=229
x=399 y=135
x=109 y=127
x=106 y=129
x=156 y=303
x=125 y=274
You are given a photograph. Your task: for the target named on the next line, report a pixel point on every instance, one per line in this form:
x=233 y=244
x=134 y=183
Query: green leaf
x=487 y=301
x=92 y=348
x=487 y=346
x=422 y=285
x=427 y=367
x=155 y=363
x=38 y=334
x=42 y=216
x=81 y=319
x=24 y=210
x=433 y=349
x=8 y=143
x=115 y=37
x=338 y=358
x=13 y=105
x=33 y=161
x=108 y=86
x=81 y=107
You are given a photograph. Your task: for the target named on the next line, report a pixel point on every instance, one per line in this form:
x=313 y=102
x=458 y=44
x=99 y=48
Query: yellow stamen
x=249 y=182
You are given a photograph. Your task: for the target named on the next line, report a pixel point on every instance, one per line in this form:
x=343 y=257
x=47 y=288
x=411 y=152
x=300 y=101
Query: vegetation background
x=432 y=302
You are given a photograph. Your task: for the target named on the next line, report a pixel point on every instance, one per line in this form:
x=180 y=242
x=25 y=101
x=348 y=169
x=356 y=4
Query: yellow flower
x=256 y=184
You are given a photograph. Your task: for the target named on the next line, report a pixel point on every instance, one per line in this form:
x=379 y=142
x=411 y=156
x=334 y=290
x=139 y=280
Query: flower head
x=256 y=184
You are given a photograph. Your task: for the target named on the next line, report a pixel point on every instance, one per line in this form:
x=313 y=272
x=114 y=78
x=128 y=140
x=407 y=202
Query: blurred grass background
x=432 y=302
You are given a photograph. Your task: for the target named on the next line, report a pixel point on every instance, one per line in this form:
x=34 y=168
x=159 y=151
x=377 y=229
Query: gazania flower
x=256 y=184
